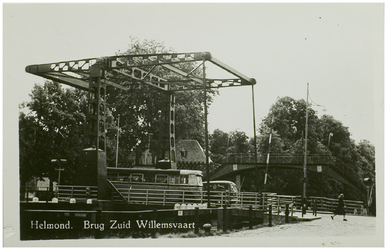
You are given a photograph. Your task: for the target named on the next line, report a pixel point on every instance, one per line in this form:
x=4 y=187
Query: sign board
x=234 y=167
x=319 y=168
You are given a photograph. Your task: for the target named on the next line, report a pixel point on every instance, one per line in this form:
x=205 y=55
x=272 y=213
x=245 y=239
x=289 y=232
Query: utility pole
x=118 y=137
x=206 y=134
x=305 y=154
x=59 y=169
x=255 y=137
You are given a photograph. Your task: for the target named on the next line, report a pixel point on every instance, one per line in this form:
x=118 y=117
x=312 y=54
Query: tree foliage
x=327 y=136
x=53 y=129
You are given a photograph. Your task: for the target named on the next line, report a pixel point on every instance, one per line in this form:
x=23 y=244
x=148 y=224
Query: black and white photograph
x=193 y=124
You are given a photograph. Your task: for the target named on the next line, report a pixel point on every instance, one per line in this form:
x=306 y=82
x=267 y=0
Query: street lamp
x=329 y=139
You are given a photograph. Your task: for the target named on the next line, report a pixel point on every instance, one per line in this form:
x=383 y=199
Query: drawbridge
x=167 y=73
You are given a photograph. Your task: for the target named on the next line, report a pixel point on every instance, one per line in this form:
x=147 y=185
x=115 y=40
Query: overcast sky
x=336 y=48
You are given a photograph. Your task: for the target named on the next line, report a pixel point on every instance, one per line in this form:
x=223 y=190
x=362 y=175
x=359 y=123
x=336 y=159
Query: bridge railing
x=279 y=202
x=324 y=204
x=66 y=192
x=217 y=199
x=347 y=171
x=281 y=159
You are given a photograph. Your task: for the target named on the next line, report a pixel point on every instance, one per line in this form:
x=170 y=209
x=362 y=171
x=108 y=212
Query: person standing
x=340 y=210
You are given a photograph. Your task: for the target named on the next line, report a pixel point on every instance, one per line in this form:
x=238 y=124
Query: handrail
x=117 y=191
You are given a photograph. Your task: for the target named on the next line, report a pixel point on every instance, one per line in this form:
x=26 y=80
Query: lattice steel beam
x=76 y=72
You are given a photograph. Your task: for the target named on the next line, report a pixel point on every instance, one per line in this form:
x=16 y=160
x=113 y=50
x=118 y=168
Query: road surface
x=356 y=231
x=354 y=226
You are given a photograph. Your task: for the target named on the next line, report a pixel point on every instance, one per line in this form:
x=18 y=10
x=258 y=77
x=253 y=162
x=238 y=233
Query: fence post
x=146 y=197
x=219 y=218
x=287 y=213
x=263 y=197
x=155 y=215
x=225 y=219
x=197 y=220
x=292 y=205
x=278 y=205
x=250 y=217
x=270 y=215
x=315 y=207
x=97 y=232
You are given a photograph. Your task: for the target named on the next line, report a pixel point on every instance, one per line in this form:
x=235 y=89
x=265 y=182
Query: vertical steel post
x=305 y=154
x=118 y=138
x=255 y=137
x=206 y=133
x=97 y=107
x=172 y=147
x=97 y=126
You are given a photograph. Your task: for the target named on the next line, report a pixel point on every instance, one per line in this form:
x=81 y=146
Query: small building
x=191 y=155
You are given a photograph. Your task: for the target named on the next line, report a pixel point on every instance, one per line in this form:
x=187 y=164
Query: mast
x=305 y=153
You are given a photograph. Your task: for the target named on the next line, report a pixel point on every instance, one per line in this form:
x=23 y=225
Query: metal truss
x=122 y=71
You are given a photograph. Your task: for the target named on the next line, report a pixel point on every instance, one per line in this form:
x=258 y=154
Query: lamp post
x=329 y=139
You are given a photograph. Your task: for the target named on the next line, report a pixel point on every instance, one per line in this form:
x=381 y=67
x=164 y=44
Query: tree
x=340 y=143
x=289 y=122
x=276 y=145
x=239 y=143
x=366 y=159
x=53 y=129
x=219 y=142
x=326 y=136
